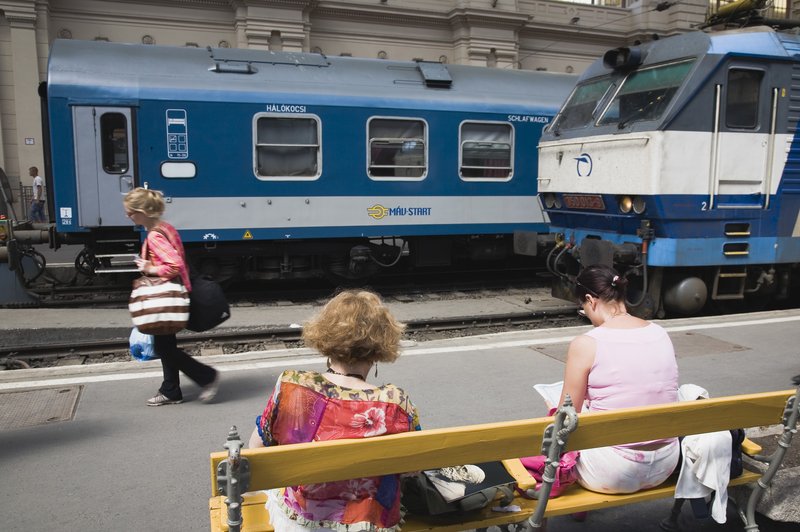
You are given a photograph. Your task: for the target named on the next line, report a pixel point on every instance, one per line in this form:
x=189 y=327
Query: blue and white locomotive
x=290 y=164
x=678 y=162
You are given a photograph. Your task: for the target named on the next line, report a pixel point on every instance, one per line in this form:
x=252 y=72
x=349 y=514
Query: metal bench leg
x=790 y=418
x=553 y=442
x=233 y=479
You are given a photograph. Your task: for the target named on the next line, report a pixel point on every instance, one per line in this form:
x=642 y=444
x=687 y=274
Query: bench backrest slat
x=630 y=425
x=305 y=463
x=324 y=461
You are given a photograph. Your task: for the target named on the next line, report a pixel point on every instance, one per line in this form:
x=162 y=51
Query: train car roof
x=758 y=41
x=89 y=70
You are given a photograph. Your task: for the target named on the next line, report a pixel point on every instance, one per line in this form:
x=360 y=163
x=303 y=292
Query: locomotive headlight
x=639 y=205
x=625 y=204
x=549 y=200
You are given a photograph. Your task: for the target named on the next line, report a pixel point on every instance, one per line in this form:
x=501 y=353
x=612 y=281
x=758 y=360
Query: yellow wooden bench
x=250 y=470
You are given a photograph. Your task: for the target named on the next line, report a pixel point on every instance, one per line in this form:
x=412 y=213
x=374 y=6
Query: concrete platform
x=120 y=465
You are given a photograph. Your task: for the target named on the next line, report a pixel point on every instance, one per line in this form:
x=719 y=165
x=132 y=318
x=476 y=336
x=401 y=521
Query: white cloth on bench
x=706 y=469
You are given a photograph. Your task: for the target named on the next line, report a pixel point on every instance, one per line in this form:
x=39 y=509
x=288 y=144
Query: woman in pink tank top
x=623 y=362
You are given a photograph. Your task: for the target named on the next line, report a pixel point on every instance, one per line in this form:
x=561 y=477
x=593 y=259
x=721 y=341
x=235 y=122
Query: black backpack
x=207 y=304
x=420 y=496
x=737 y=467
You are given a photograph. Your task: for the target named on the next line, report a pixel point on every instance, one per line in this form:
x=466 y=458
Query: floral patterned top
x=306 y=407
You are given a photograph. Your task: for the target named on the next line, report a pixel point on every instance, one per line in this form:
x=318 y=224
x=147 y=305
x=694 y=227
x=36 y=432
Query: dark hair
x=601 y=281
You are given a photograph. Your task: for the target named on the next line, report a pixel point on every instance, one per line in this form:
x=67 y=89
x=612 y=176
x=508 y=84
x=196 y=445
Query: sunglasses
x=589 y=290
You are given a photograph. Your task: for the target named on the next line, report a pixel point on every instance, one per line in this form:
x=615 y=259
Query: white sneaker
x=209 y=391
x=160 y=399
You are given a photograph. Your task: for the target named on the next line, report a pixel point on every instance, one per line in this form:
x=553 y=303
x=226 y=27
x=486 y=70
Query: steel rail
x=222 y=337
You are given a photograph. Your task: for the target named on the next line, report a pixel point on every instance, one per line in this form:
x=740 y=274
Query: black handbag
x=208 y=306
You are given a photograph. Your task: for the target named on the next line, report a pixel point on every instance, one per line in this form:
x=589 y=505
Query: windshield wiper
x=640 y=111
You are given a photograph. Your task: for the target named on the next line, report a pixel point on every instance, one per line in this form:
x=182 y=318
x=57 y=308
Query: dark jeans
x=174 y=360
x=37 y=211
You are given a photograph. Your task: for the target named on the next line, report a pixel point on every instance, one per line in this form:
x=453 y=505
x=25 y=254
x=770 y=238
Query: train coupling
x=13 y=278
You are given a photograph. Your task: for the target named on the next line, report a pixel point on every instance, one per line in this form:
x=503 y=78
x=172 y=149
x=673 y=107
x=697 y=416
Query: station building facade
x=552 y=35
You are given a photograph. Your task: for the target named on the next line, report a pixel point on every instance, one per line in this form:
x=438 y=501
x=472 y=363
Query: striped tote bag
x=159 y=306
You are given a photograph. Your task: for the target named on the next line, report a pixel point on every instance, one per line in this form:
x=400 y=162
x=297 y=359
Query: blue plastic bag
x=142 y=348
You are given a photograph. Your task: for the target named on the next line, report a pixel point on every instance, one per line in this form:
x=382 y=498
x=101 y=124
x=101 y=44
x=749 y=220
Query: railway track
x=115 y=295
x=223 y=341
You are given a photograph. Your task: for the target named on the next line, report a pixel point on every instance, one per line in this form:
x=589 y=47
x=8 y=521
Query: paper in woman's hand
x=550 y=392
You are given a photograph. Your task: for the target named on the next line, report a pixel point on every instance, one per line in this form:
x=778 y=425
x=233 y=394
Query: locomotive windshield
x=582 y=105
x=645 y=94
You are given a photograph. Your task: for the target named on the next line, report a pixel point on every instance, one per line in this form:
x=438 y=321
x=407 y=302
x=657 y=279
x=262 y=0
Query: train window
x=741 y=106
x=397 y=148
x=580 y=109
x=645 y=94
x=486 y=150
x=114 y=142
x=287 y=147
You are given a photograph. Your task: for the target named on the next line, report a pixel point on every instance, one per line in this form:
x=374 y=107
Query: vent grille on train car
x=245 y=55
x=435 y=74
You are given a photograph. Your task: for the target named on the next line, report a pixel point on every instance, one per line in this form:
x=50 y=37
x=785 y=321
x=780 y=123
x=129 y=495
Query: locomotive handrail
x=603 y=140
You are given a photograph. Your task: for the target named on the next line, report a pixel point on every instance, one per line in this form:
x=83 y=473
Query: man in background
x=37 y=203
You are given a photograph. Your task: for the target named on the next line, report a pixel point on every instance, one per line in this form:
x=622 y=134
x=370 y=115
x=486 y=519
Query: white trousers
x=623 y=470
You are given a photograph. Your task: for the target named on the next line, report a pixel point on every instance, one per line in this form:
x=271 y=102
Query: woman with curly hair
x=354 y=331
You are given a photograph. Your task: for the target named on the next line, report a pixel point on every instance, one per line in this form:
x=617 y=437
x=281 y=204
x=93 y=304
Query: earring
x=376 y=370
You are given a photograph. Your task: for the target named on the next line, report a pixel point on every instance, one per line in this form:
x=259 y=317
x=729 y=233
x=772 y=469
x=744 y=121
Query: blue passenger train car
x=678 y=161
x=281 y=164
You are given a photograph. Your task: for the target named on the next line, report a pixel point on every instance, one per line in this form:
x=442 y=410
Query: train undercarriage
x=108 y=255
x=658 y=292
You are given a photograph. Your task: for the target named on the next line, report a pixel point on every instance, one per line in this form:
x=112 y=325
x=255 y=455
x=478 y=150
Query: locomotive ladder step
x=732 y=275
x=736 y=249
x=737 y=229
x=729 y=283
x=119 y=263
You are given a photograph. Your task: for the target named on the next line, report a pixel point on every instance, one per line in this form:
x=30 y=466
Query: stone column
x=485 y=36
x=22 y=127
x=280 y=25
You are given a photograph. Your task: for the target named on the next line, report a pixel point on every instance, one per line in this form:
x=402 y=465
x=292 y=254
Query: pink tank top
x=632 y=367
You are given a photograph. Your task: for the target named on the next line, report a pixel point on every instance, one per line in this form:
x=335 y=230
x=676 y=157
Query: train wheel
x=86 y=262
x=343 y=271
x=224 y=270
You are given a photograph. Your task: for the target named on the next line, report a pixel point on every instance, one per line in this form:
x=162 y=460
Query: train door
x=104 y=163
x=744 y=125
